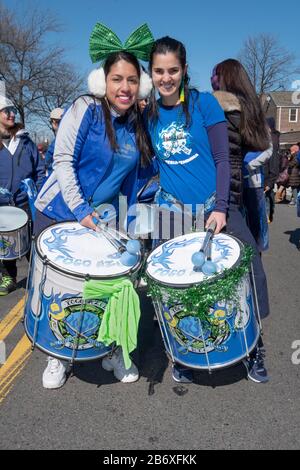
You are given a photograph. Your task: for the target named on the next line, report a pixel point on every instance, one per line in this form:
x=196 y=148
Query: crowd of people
x=236 y=161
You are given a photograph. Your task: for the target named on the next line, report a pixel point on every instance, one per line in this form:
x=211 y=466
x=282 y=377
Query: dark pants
x=41 y=223
x=270 y=203
x=9 y=268
x=236 y=226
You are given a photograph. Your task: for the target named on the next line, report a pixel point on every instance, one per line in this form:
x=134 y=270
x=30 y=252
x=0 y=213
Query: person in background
x=142 y=104
x=294 y=173
x=282 y=181
x=41 y=150
x=254 y=198
x=55 y=118
x=248 y=132
x=271 y=170
x=19 y=159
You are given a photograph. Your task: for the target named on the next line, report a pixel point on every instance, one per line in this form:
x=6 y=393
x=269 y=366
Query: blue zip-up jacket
x=50 y=152
x=49 y=157
x=253 y=167
x=82 y=156
x=23 y=162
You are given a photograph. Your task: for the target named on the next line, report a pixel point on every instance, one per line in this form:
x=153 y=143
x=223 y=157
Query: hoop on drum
x=57 y=318
x=14 y=233
x=228 y=330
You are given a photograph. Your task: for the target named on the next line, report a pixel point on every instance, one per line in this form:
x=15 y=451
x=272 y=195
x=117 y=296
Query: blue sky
x=211 y=30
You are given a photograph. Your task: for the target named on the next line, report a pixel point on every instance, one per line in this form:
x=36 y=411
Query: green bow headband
x=104 y=41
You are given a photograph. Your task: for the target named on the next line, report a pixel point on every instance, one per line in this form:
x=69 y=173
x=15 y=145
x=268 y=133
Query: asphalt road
x=95 y=411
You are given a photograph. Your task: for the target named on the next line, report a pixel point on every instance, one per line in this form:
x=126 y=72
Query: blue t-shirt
x=186 y=165
x=123 y=162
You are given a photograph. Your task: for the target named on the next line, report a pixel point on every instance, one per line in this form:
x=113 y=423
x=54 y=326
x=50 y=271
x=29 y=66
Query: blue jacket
x=49 y=157
x=253 y=167
x=15 y=165
x=82 y=156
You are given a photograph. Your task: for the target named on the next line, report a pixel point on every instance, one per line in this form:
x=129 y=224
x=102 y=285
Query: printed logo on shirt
x=126 y=151
x=175 y=140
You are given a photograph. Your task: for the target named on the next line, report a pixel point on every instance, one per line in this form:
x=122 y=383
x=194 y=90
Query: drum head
x=79 y=251
x=12 y=218
x=171 y=264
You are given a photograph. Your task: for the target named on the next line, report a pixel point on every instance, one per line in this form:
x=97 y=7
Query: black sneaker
x=182 y=374
x=7 y=285
x=256 y=370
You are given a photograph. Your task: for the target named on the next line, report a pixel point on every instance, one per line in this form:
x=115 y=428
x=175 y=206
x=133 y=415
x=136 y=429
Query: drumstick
x=129 y=252
x=209 y=267
x=198 y=258
x=133 y=246
x=101 y=228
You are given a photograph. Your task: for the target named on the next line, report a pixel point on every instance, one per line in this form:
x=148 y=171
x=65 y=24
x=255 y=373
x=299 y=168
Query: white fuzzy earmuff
x=145 y=85
x=97 y=84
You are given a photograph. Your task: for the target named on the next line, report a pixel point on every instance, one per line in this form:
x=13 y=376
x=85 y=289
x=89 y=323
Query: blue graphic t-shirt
x=186 y=165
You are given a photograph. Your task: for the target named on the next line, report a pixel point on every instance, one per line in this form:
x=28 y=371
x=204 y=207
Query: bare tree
x=35 y=74
x=268 y=64
x=62 y=87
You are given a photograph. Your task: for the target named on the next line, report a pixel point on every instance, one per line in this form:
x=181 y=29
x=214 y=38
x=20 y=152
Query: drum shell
x=230 y=331
x=15 y=243
x=49 y=291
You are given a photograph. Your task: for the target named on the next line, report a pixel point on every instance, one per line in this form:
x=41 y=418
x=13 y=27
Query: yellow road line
x=13 y=366
x=11 y=319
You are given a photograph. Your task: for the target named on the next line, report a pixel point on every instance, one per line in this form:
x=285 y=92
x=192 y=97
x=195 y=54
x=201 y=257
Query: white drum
x=223 y=334
x=64 y=256
x=14 y=233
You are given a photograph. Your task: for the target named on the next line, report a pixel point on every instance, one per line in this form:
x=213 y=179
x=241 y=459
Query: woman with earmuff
x=101 y=149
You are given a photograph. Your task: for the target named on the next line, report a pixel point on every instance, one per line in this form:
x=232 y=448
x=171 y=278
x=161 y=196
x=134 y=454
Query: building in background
x=280 y=106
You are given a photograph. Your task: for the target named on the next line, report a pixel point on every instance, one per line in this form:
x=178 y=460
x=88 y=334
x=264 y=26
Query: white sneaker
x=54 y=375
x=116 y=364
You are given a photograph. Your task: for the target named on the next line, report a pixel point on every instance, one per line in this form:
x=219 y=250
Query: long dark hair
x=133 y=114
x=232 y=77
x=163 y=46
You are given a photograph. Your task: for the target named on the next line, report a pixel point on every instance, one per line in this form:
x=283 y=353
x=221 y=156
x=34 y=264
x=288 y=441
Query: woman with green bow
x=101 y=151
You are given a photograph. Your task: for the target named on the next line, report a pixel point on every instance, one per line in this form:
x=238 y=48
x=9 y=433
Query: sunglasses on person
x=9 y=110
x=54 y=121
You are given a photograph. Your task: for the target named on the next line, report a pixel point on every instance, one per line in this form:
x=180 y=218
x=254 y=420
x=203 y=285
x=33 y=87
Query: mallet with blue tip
x=209 y=267
x=198 y=258
x=131 y=255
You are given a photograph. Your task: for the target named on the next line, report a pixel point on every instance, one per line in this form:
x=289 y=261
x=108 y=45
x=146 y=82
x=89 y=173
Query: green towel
x=122 y=314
